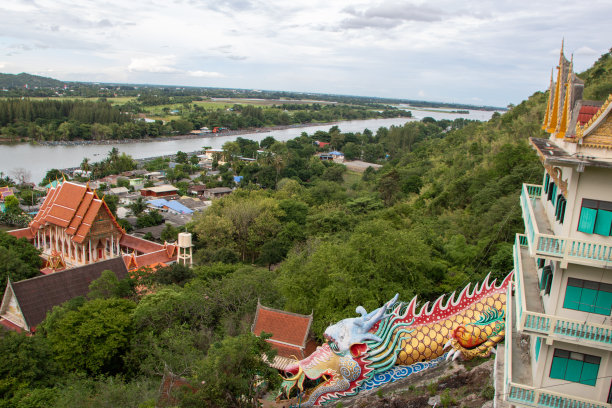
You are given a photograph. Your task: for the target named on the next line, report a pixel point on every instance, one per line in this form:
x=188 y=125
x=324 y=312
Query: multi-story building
x=558 y=349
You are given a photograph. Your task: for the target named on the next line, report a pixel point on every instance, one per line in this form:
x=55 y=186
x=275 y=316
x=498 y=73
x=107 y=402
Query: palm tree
x=85 y=164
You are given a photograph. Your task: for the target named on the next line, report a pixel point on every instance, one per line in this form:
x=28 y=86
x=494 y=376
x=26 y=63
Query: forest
x=441 y=212
x=77 y=119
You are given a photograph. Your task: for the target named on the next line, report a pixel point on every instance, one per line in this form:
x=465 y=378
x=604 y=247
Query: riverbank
x=224 y=133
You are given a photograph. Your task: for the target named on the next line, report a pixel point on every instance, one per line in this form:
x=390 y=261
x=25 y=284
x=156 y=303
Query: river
x=38 y=159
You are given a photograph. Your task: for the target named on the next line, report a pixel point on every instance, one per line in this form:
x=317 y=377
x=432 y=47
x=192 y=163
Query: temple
x=75 y=227
x=559 y=350
x=79 y=237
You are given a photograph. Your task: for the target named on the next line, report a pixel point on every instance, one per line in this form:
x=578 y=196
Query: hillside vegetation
x=440 y=213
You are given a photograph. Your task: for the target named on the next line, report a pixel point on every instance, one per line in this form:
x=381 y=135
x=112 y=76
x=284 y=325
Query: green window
x=554 y=193
x=546 y=181
x=587 y=220
x=575 y=367
x=603 y=222
x=595 y=217
x=538 y=343
x=588 y=296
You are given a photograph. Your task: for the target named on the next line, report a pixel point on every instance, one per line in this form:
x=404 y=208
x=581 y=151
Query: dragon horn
x=375 y=316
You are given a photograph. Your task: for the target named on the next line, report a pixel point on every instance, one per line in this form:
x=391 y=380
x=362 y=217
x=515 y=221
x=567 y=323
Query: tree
x=149 y=219
x=181 y=157
x=19 y=260
x=243 y=222
x=85 y=164
x=137 y=207
x=108 y=286
x=240 y=360
x=22 y=175
x=11 y=205
x=93 y=338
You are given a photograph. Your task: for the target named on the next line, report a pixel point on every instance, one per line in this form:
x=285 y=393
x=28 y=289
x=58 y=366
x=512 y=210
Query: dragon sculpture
x=395 y=341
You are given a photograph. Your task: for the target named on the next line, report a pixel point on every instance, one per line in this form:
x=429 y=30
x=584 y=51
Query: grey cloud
x=389 y=14
x=223 y=6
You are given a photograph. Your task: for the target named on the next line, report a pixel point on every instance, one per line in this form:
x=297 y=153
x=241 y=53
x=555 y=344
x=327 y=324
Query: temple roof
x=38 y=295
x=550 y=153
x=151 y=252
x=73 y=207
x=289 y=329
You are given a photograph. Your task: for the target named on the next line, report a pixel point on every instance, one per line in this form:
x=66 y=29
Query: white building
x=558 y=350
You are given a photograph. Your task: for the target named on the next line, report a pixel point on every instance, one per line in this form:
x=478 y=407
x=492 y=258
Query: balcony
x=544 y=244
x=519 y=389
x=530 y=315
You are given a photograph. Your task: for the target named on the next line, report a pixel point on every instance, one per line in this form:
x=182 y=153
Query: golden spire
x=566 y=116
x=550 y=93
x=554 y=117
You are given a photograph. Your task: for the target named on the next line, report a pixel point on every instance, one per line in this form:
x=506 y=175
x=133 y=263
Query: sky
x=489 y=52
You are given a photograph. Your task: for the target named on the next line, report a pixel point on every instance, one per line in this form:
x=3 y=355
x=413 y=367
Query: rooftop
x=553 y=154
x=38 y=295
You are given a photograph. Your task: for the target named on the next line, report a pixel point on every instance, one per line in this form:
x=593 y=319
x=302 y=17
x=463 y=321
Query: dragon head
x=337 y=367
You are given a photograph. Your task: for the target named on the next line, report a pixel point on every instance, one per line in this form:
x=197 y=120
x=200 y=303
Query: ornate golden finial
x=63 y=177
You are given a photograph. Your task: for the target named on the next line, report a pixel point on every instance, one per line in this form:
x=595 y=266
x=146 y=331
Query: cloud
x=2 y=65
x=586 y=51
x=390 y=14
x=205 y=74
x=160 y=64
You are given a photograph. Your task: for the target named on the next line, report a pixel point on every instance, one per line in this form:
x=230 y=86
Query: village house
x=216 y=192
x=164 y=190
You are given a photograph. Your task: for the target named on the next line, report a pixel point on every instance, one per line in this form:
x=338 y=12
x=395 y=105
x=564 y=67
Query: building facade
x=558 y=350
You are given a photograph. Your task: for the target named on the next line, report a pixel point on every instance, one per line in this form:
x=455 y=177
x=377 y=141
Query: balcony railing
x=559 y=248
x=526 y=395
x=539 y=323
x=533 y=397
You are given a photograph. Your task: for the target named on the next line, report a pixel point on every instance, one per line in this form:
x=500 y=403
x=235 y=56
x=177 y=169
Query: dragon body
x=396 y=340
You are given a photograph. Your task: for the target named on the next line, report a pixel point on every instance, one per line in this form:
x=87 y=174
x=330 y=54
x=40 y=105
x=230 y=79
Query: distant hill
x=598 y=78
x=10 y=81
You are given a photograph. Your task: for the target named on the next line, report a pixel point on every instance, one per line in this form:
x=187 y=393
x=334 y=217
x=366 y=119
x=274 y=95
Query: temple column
x=90 y=256
x=112 y=246
x=83 y=246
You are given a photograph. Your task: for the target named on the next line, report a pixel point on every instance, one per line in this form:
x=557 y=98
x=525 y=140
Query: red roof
x=153 y=259
x=22 y=233
x=586 y=113
x=139 y=244
x=71 y=206
x=289 y=328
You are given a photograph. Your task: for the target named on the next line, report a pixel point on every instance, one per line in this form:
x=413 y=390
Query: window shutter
x=603 y=222
x=551 y=187
x=587 y=220
x=572 y=294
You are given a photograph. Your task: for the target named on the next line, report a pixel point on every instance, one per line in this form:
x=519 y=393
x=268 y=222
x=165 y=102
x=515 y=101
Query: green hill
x=10 y=81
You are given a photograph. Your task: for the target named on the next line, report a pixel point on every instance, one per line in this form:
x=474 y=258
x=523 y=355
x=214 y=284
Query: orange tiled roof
x=71 y=206
x=139 y=244
x=22 y=233
x=289 y=328
x=154 y=258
